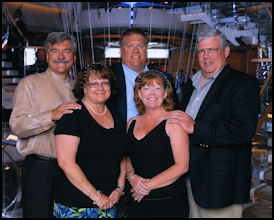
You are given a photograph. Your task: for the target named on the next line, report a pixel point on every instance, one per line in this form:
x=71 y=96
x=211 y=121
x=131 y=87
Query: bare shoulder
x=174 y=129
x=130 y=121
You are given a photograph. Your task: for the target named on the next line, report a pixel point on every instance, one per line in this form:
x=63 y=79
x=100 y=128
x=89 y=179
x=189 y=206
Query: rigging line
x=181 y=51
x=150 y=27
x=105 y=45
x=172 y=52
x=194 y=53
x=161 y=40
x=77 y=35
x=108 y=30
x=64 y=16
x=68 y=29
x=170 y=19
x=91 y=35
x=189 y=53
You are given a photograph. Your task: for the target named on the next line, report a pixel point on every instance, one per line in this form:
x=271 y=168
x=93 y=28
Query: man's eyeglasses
x=95 y=85
x=208 y=50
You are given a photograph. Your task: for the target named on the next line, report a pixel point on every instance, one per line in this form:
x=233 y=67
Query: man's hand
x=65 y=108
x=181 y=118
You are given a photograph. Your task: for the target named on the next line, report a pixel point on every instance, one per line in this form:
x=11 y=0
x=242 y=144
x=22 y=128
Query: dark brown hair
x=100 y=72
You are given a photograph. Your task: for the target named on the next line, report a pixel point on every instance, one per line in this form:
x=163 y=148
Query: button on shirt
x=130 y=77
x=34 y=99
x=199 y=93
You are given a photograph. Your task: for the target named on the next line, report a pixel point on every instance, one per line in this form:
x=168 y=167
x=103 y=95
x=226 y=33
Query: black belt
x=42 y=158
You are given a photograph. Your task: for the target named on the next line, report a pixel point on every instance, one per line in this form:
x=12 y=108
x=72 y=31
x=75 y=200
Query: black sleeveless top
x=152 y=155
x=99 y=154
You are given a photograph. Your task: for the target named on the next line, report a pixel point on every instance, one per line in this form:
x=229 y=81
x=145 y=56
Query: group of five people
x=117 y=142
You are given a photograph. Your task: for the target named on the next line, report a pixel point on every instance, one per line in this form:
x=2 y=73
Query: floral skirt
x=61 y=211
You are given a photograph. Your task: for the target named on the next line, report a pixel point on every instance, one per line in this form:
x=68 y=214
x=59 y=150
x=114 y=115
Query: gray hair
x=58 y=37
x=206 y=31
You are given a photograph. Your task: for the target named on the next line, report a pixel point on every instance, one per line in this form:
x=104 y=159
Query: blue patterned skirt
x=61 y=211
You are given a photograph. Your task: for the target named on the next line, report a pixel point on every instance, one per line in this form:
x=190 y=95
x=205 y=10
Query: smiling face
x=211 y=55
x=60 y=57
x=152 y=94
x=97 y=90
x=134 y=52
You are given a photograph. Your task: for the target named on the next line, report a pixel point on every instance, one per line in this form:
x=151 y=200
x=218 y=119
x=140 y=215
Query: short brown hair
x=132 y=31
x=144 y=79
x=100 y=71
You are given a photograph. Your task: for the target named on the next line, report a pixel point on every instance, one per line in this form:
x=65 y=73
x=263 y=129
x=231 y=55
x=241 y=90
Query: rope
x=181 y=51
x=170 y=19
x=150 y=27
x=173 y=43
x=91 y=35
x=78 y=37
x=108 y=30
x=194 y=53
x=189 y=54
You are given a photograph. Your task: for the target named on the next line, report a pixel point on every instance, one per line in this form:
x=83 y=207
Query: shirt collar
x=127 y=69
x=58 y=78
x=197 y=77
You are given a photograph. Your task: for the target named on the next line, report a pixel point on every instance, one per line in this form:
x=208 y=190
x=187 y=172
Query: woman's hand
x=103 y=202
x=139 y=185
x=136 y=196
x=115 y=196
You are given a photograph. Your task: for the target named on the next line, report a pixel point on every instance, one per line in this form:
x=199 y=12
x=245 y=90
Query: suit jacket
x=118 y=102
x=220 y=147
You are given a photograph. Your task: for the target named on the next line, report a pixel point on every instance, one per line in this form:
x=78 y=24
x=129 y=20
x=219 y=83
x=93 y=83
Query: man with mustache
x=39 y=101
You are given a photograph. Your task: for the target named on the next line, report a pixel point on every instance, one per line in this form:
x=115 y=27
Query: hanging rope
x=161 y=40
x=181 y=51
x=65 y=17
x=108 y=30
x=150 y=27
x=68 y=29
x=194 y=53
x=78 y=37
x=171 y=59
x=105 y=44
x=170 y=19
x=91 y=36
x=189 y=54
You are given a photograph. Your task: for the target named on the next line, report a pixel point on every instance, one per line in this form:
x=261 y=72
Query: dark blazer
x=118 y=102
x=220 y=147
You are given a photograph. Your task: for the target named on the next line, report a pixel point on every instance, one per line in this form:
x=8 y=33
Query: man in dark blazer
x=219 y=110
x=133 y=50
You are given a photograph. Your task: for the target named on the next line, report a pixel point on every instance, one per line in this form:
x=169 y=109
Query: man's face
x=134 y=52
x=211 y=55
x=60 y=57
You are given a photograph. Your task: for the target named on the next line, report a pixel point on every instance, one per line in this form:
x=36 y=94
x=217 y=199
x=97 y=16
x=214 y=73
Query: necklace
x=95 y=111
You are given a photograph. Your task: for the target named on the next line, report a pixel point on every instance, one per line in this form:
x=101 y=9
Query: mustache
x=61 y=61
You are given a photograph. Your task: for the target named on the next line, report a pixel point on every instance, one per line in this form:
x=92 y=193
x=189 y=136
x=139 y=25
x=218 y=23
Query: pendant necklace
x=95 y=111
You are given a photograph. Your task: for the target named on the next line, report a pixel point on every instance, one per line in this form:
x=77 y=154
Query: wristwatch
x=122 y=189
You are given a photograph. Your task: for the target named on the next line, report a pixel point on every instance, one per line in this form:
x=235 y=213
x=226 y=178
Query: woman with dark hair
x=158 y=154
x=90 y=147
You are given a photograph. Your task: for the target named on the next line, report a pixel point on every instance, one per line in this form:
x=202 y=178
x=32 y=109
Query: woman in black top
x=158 y=153
x=89 y=148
